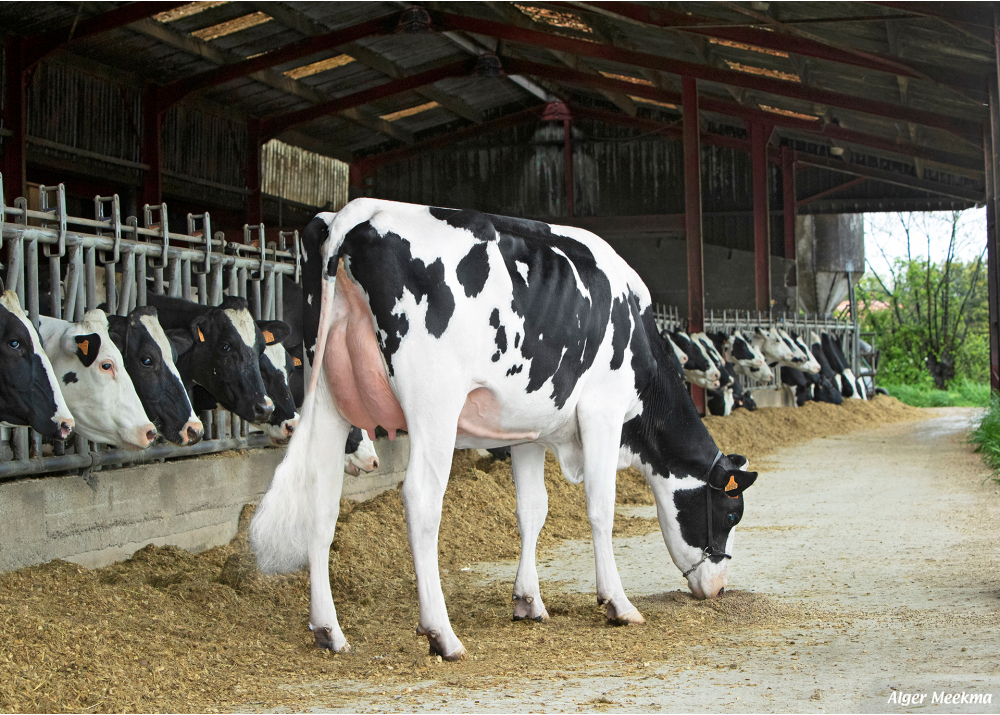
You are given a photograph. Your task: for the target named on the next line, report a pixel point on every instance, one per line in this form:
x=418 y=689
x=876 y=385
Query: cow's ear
x=87 y=347
x=199 y=329
x=274 y=331
x=732 y=482
x=180 y=341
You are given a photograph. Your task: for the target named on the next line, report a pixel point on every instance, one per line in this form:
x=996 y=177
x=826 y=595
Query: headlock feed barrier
x=727 y=321
x=105 y=259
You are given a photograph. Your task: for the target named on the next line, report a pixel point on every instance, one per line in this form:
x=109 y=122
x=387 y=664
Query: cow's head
x=29 y=388
x=221 y=351
x=276 y=366
x=685 y=528
x=809 y=363
x=359 y=453
x=95 y=382
x=714 y=358
x=742 y=352
x=772 y=346
x=698 y=369
x=149 y=360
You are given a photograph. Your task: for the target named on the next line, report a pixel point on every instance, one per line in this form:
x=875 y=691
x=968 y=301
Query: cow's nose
x=374 y=464
x=289 y=429
x=262 y=410
x=194 y=435
x=65 y=427
x=150 y=435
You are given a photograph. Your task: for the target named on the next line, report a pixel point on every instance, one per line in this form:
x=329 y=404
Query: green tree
x=930 y=312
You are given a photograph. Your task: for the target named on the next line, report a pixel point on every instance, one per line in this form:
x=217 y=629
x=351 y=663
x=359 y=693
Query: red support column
x=692 y=219
x=255 y=192
x=16 y=120
x=152 y=150
x=759 y=136
x=568 y=179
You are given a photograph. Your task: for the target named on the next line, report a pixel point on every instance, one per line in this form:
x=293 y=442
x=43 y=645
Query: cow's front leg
x=601 y=440
x=423 y=494
x=528 y=464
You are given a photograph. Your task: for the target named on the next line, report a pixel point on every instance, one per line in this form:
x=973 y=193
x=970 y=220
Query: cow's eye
x=732 y=518
x=106 y=366
x=147 y=361
x=14 y=343
x=225 y=347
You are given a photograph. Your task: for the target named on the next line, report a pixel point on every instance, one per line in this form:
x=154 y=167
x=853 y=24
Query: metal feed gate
x=726 y=321
x=83 y=253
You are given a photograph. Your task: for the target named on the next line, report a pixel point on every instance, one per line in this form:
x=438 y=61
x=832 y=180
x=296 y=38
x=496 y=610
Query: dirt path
x=882 y=548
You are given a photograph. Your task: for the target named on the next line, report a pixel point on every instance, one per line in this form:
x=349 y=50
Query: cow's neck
x=669 y=436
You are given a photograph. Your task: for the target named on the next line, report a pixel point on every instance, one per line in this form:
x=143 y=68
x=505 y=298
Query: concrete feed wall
x=191 y=503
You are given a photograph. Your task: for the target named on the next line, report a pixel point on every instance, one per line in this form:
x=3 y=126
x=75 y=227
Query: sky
x=886 y=237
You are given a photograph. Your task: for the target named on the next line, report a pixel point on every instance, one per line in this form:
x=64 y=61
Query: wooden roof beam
x=966 y=129
x=39 y=45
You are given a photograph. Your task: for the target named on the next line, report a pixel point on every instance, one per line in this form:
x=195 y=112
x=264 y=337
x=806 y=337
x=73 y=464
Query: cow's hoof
x=632 y=617
x=529 y=608
x=436 y=647
x=324 y=639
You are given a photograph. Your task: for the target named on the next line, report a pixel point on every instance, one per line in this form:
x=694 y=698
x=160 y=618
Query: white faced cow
x=149 y=360
x=771 y=346
x=96 y=384
x=746 y=358
x=29 y=390
x=475 y=330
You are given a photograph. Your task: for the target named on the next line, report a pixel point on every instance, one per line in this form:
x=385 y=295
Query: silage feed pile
x=172 y=631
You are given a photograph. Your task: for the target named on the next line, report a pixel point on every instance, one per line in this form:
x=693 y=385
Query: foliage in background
x=986 y=436
x=961 y=393
x=929 y=309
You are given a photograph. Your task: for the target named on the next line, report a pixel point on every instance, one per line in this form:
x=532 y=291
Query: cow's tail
x=285 y=521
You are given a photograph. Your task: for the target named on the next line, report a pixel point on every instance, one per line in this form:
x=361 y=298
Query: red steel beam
x=966 y=129
x=663 y=17
x=828 y=192
x=175 y=91
x=788 y=200
x=759 y=135
x=44 y=43
x=277 y=123
x=734 y=109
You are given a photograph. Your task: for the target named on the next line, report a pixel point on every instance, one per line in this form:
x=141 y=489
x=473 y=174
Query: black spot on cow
x=87 y=347
x=385 y=267
x=563 y=327
x=515 y=369
x=501 y=337
x=314 y=235
x=517 y=339
x=478 y=224
x=353 y=440
x=741 y=351
x=473 y=270
x=621 y=332
x=69 y=377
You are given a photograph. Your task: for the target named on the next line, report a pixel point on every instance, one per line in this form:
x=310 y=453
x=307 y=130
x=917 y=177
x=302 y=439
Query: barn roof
x=895 y=92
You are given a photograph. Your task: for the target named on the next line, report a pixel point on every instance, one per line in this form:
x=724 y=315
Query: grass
x=961 y=393
x=986 y=436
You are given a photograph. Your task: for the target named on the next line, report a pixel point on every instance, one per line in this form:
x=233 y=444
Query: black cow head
x=221 y=351
x=149 y=360
x=276 y=367
x=29 y=391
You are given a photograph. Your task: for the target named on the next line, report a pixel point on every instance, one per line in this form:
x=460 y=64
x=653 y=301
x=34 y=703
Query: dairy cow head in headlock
x=219 y=348
x=29 y=388
x=149 y=359
x=472 y=330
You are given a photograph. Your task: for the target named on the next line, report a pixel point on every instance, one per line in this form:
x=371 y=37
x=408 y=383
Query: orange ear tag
x=296 y=362
x=268 y=337
x=84 y=347
x=732 y=484
x=201 y=335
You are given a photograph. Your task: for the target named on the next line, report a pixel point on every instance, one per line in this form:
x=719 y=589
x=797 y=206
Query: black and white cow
x=95 y=383
x=149 y=360
x=29 y=389
x=824 y=384
x=846 y=381
x=477 y=331
x=698 y=368
x=219 y=348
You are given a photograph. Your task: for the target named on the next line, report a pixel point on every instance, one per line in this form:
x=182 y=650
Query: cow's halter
x=709 y=550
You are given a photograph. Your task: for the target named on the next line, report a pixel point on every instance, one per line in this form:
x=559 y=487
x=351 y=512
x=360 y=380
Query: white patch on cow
x=243 y=322
x=275 y=355
x=579 y=283
x=160 y=338
x=522 y=269
x=309 y=299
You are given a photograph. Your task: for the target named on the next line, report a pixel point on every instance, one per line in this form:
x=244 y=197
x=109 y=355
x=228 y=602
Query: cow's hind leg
x=431 y=449
x=528 y=464
x=601 y=437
